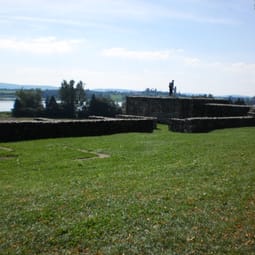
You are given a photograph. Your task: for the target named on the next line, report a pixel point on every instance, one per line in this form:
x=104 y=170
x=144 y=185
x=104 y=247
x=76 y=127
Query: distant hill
x=115 y=90
x=18 y=86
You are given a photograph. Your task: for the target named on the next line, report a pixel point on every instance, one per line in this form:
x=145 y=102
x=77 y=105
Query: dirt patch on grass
x=101 y=155
x=97 y=155
x=5 y=149
x=6 y=153
x=7 y=157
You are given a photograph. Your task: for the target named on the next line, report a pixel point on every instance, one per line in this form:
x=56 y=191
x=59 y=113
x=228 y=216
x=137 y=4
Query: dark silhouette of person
x=171 y=88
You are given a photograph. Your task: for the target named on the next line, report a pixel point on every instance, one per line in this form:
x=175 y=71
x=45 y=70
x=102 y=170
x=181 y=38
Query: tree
x=67 y=95
x=79 y=95
x=240 y=101
x=103 y=107
x=28 y=103
x=72 y=98
x=52 y=107
x=16 y=107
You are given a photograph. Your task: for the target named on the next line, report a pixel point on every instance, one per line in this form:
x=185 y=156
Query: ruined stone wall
x=124 y=116
x=225 y=110
x=27 y=130
x=165 y=108
x=206 y=124
x=252 y=111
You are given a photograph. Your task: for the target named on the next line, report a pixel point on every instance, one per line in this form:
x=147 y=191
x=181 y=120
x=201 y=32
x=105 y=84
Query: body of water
x=6 y=105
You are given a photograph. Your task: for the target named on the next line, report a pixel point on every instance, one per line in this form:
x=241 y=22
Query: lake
x=6 y=105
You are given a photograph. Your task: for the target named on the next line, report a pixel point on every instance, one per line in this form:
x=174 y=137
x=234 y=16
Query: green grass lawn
x=159 y=193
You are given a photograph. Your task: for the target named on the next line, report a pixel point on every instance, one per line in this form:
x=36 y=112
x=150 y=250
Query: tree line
x=73 y=103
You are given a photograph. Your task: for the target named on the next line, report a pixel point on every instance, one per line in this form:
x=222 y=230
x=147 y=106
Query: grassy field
x=5 y=115
x=159 y=193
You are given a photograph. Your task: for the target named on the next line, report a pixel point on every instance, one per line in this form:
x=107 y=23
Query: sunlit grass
x=160 y=193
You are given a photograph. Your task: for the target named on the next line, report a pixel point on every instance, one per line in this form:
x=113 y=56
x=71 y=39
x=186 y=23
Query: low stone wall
x=27 y=130
x=206 y=124
x=225 y=110
x=124 y=116
x=252 y=111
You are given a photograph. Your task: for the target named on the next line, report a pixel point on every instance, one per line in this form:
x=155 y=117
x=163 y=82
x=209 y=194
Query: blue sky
x=206 y=46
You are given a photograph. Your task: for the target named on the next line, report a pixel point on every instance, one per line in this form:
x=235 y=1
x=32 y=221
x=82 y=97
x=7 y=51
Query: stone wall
x=206 y=124
x=252 y=111
x=165 y=108
x=124 y=116
x=225 y=110
x=27 y=130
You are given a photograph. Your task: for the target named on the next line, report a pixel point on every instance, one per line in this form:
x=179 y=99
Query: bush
x=103 y=107
x=28 y=103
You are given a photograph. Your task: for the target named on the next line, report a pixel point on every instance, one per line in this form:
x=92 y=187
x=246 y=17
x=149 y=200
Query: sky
x=206 y=46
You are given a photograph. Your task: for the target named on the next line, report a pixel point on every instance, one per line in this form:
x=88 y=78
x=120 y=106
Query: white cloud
x=201 y=18
x=140 y=55
x=217 y=78
x=242 y=66
x=191 y=61
x=54 y=76
x=42 y=45
x=52 y=21
x=42 y=20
